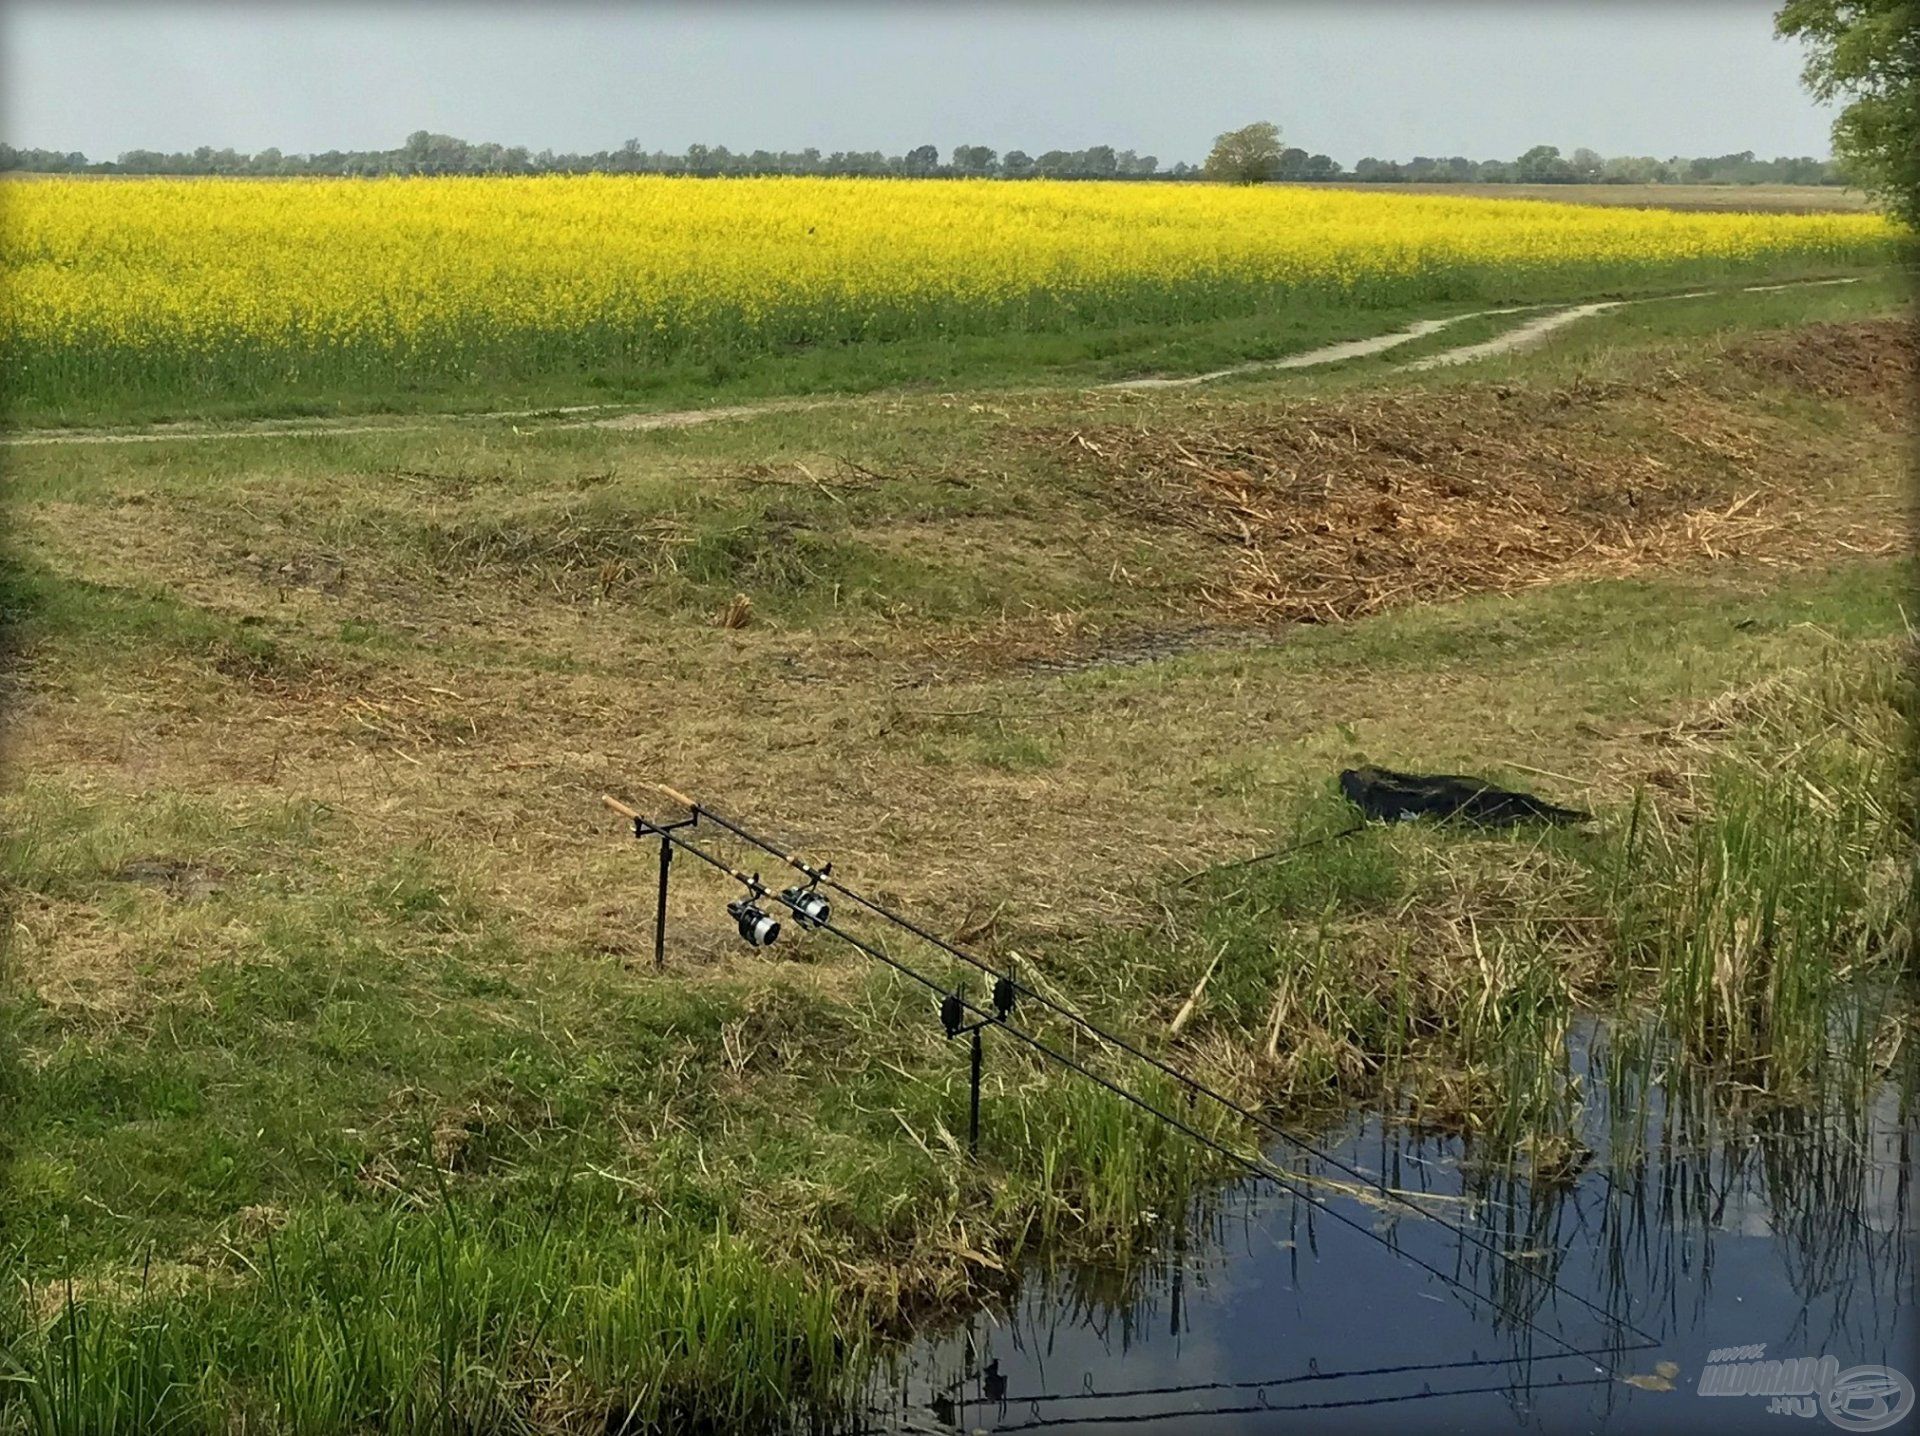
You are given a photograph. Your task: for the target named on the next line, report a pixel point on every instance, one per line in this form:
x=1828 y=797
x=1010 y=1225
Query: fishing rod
x=1262 y=1407
x=1524 y=1382
x=950 y=1392
x=819 y=876
x=1299 y=1378
x=759 y=930
x=1258 y=1168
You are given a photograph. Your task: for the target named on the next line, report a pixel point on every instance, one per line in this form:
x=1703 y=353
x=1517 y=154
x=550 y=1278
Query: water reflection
x=1684 y=1225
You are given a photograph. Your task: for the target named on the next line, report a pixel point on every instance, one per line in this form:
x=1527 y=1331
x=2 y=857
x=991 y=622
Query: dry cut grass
x=1335 y=511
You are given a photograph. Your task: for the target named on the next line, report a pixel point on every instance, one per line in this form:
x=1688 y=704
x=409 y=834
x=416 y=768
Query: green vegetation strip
x=338 y=1093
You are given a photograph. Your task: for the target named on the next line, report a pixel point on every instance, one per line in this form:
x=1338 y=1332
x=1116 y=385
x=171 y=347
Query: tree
x=1586 y=165
x=973 y=160
x=1542 y=165
x=1246 y=156
x=1869 y=52
x=1632 y=169
x=1017 y=165
x=922 y=160
x=1292 y=164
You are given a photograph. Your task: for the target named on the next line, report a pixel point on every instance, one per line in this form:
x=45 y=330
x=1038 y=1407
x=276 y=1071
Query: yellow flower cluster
x=200 y=283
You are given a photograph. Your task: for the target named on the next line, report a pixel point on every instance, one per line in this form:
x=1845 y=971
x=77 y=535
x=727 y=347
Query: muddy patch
x=1124 y=650
x=320 y=572
x=176 y=877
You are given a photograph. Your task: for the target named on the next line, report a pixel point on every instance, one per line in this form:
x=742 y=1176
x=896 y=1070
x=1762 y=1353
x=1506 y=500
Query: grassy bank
x=345 y=1094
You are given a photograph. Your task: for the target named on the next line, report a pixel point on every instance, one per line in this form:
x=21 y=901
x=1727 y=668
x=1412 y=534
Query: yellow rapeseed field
x=201 y=286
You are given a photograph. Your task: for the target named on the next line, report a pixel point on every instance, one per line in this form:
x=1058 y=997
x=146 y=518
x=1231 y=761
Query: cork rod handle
x=614 y=805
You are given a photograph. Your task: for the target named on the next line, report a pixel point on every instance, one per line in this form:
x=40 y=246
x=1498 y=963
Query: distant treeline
x=430 y=154
x=1544 y=164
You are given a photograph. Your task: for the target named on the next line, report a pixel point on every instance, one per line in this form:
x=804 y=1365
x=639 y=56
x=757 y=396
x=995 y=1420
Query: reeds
x=1771 y=929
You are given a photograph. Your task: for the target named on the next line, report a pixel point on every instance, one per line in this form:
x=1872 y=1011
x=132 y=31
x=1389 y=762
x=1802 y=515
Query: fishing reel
x=757 y=927
x=809 y=905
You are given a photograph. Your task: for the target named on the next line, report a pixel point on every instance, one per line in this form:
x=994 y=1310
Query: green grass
x=1082 y=355
x=1753 y=925
x=950 y=517
x=1741 y=927
x=340 y=1091
x=368 y=1170
x=640 y=1330
x=1086 y=352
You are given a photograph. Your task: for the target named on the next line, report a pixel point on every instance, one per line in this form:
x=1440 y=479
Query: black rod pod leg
x=660 y=912
x=973 y=1108
x=642 y=828
x=953 y=1020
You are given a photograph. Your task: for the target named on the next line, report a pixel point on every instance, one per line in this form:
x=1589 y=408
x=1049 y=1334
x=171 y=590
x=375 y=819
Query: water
x=1685 y=1230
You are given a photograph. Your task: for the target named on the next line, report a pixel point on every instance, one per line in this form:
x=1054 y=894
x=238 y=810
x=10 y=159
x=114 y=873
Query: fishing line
x=1283 y=852
x=1193 y=1084
x=1256 y=1167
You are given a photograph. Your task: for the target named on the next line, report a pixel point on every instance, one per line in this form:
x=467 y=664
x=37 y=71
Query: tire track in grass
x=568 y=417
x=1523 y=337
x=537 y=418
x=1312 y=358
x=1535 y=331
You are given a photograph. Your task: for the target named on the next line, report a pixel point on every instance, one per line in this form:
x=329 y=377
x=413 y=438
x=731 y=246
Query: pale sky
x=1391 y=80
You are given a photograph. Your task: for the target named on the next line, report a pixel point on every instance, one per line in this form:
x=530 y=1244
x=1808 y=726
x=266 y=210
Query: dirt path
x=687 y=418
x=567 y=417
x=285 y=429
x=1521 y=336
x=1514 y=340
x=1312 y=358
x=1534 y=331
